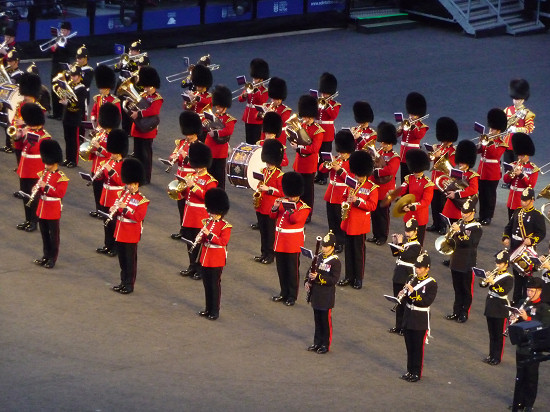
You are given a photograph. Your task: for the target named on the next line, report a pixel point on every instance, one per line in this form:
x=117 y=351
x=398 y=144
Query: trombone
x=60 y=40
x=250 y=87
x=187 y=73
x=486 y=139
x=122 y=60
x=406 y=124
x=322 y=102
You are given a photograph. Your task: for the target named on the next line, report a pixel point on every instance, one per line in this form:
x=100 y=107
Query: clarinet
x=98 y=173
x=401 y=294
x=313 y=268
x=35 y=189
x=114 y=212
x=199 y=235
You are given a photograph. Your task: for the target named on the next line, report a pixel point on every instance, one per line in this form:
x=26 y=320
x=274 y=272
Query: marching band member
x=277 y=91
x=198 y=183
x=111 y=175
x=328 y=113
x=386 y=164
x=500 y=284
x=105 y=80
x=359 y=201
x=12 y=66
x=407 y=252
x=338 y=171
x=524 y=172
x=290 y=213
x=269 y=190
x=9 y=40
x=52 y=186
x=363 y=134
x=201 y=78
x=259 y=71
x=44 y=97
x=213 y=237
x=525 y=228
x=218 y=139
x=87 y=73
x=322 y=280
x=31 y=162
x=466 y=235
x=143 y=139
x=62 y=54
x=126 y=71
x=446 y=132
x=489 y=165
x=420 y=294
x=272 y=128
x=307 y=156
x=412 y=135
x=130 y=209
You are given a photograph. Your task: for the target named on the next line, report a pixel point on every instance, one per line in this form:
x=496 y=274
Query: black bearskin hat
x=361 y=163
x=362 y=112
x=417 y=160
x=344 y=142
x=216 y=201
x=466 y=152
x=497 y=120
x=108 y=116
x=30 y=85
x=307 y=106
x=272 y=123
x=132 y=171
x=200 y=155
x=259 y=69
x=221 y=96
x=190 y=123
x=416 y=104
x=117 y=142
x=273 y=152
x=201 y=76
x=386 y=133
x=519 y=89
x=32 y=114
x=328 y=83
x=522 y=144
x=446 y=130
x=276 y=88
x=50 y=152
x=293 y=184
x=148 y=77
x=105 y=77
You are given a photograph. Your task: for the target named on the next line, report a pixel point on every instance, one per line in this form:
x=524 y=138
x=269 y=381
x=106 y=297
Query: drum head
x=9 y=95
x=245 y=160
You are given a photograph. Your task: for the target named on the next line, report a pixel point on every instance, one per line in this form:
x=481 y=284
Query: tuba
x=135 y=102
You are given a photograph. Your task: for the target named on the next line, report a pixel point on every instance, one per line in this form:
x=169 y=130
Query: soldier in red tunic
x=51 y=186
x=291 y=214
x=255 y=95
x=446 y=132
x=357 y=204
x=277 y=91
x=105 y=80
x=338 y=170
x=272 y=128
x=201 y=98
x=213 y=239
x=218 y=139
x=413 y=133
x=328 y=112
x=363 y=134
x=129 y=210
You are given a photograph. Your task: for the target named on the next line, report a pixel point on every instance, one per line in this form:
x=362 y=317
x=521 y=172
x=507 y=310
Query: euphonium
x=345 y=210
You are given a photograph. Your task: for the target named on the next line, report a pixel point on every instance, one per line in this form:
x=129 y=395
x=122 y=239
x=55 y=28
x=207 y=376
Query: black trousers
x=334 y=217
x=212 y=282
x=126 y=121
x=462 y=285
x=26 y=185
x=323 y=327
x=438 y=202
x=72 y=140
x=288 y=265
x=527 y=382
x=97 y=186
x=8 y=138
x=355 y=258
x=400 y=309
x=511 y=213
x=421 y=234
x=252 y=132
x=267 y=234
x=127 y=259
x=308 y=195
x=109 y=232
x=57 y=108
x=191 y=233
x=414 y=341
x=325 y=147
x=181 y=209
x=380 y=220
x=520 y=286
x=496 y=327
x=404 y=171
x=217 y=170
x=143 y=151
x=49 y=229
x=487 y=198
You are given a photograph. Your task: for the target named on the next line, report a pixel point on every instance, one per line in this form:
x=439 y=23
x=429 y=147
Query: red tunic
x=411 y=138
x=259 y=97
x=450 y=210
x=392 y=165
x=31 y=162
x=449 y=149
x=327 y=116
x=365 y=136
x=260 y=142
x=423 y=190
x=18 y=144
x=336 y=185
x=214 y=246
x=307 y=157
x=289 y=229
x=285 y=112
x=99 y=101
x=272 y=179
x=195 y=211
x=523 y=125
x=204 y=102
x=129 y=225
x=358 y=219
x=489 y=165
x=112 y=183
x=100 y=154
x=219 y=144
x=154 y=110
x=49 y=204
x=528 y=178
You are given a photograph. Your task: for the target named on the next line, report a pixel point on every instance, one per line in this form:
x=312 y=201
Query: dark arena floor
x=70 y=344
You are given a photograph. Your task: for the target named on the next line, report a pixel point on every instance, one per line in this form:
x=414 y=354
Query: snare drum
x=245 y=159
x=10 y=99
x=525 y=259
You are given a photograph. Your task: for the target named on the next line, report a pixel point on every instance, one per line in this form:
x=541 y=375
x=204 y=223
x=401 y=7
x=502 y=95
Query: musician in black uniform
x=322 y=280
x=527 y=374
x=420 y=294
x=467 y=234
x=407 y=252
x=86 y=70
x=500 y=284
x=126 y=71
x=12 y=66
x=61 y=56
x=526 y=228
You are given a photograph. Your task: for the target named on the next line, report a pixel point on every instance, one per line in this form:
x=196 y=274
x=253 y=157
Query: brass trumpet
x=445 y=244
x=488 y=276
x=323 y=102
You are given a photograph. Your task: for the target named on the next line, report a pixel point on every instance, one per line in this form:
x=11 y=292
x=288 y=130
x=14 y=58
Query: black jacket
x=323 y=288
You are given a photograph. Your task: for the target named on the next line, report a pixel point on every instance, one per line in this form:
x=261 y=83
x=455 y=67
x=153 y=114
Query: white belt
x=195 y=204
x=496 y=295
x=211 y=246
x=406 y=144
x=109 y=187
x=403 y=263
x=281 y=230
x=332 y=182
x=44 y=197
x=412 y=307
x=30 y=156
x=517 y=189
x=516 y=237
x=484 y=159
x=124 y=220
x=326 y=122
x=252 y=106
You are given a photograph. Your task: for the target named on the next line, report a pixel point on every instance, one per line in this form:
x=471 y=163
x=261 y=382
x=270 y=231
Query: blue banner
x=275 y=8
x=222 y=13
x=315 y=6
x=110 y=24
x=79 y=24
x=168 y=18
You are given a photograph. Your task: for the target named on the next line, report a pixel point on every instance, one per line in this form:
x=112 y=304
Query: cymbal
x=397 y=210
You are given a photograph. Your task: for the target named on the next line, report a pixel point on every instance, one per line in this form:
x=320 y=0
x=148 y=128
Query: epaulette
x=156 y=97
x=204 y=221
x=40 y=174
x=474 y=174
x=429 y=182
x=336 y=104
x=41 y=107
x=406 y=179
x=231 y=118
x=143 y=199
x=319 y=129
x=286 y=108
x=529 y=113
x=212 y=179
x=115 y=99
x=394 y=154
x=177 y=142
x=62 y=176
x=46 y=135
x=535 y=167
x=226 y=224
x=304 y=205
x=422 y=125
x=374 y=185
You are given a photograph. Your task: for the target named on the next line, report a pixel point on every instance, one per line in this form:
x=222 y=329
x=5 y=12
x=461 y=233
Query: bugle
x=60 y=40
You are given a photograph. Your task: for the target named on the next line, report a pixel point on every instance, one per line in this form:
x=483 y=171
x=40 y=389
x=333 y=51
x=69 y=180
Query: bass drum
x=10 y=99
x=245 y=160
